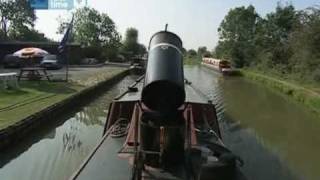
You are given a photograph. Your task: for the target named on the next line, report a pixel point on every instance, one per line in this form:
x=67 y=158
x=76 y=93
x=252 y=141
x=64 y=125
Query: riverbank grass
x=33 y=97
x=33 y=91
x=191 y=60
x=307 y=95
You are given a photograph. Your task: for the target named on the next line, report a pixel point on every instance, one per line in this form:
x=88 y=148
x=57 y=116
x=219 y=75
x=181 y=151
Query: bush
x=76 y=53
x=110 y=53
x=92 y=52
x=316 y=75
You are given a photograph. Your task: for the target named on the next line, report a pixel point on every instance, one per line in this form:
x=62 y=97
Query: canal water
x=55 y=152
x=276 y=138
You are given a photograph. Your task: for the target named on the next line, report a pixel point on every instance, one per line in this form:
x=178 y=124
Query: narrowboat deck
x=104 y=162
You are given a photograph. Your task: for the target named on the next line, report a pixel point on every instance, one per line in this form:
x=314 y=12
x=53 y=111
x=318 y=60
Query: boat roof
x=193 y=95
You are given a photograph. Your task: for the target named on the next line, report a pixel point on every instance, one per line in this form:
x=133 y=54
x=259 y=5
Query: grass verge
x=191 y=60
x=32 y=97
x=306 y=96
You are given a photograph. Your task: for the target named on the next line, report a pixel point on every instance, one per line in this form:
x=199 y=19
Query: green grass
x=33 y=97
x=303 y=94
x=31 y=91
x=12 y=97
x=191 y=61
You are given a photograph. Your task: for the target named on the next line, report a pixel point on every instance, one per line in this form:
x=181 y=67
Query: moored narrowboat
x=222 y=66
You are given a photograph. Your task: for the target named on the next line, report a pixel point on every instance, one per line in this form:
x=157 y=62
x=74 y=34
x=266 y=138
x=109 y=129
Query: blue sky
x=195 y=21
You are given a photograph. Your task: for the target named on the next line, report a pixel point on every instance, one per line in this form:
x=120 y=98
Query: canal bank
x=308 y=97
x=57 y=149
x=19 y=121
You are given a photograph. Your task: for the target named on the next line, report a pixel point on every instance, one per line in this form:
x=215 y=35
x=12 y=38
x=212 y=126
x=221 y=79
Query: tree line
x=17 y=22
x=95 y=32
x=285 y=42
x=98 y=35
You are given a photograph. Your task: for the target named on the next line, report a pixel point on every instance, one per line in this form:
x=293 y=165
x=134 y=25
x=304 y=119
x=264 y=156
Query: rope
x=120 y=128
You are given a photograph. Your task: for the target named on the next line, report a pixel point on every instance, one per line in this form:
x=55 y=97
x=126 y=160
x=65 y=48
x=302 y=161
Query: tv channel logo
x=39 y=4
x=55 y=4
x=61 y=4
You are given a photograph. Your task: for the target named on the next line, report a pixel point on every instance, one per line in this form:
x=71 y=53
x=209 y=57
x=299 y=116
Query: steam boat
x=162 y=127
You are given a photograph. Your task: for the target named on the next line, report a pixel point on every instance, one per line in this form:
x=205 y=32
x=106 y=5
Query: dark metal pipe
x=164 y=80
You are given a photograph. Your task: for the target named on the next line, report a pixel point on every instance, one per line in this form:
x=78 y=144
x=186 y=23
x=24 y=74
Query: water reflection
x=260 y=162
x=70 y=139
x=276 y=138
x=55 y=151
x=284 y=127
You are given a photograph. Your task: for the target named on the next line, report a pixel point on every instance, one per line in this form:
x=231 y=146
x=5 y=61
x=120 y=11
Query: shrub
x=316 y=75
x=92 y=52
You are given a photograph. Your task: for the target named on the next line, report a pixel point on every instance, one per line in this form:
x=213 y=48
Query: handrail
x=130 y=88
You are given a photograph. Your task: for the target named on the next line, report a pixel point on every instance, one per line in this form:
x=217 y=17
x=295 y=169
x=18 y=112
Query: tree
x=131 y=36
x=26 y=34
x=142 y=49
x=222 y=50
x=304 y=43
x=191 y=53
x=272 y=37
x=203 y=52
x=236 y=33
x=16 y=17
x=2 y=36
x=94 y=30
x=131 y=46
x=285 y=42
x=6 y=13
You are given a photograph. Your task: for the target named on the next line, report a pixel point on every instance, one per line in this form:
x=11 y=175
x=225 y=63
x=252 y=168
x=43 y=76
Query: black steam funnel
x=164 y=80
